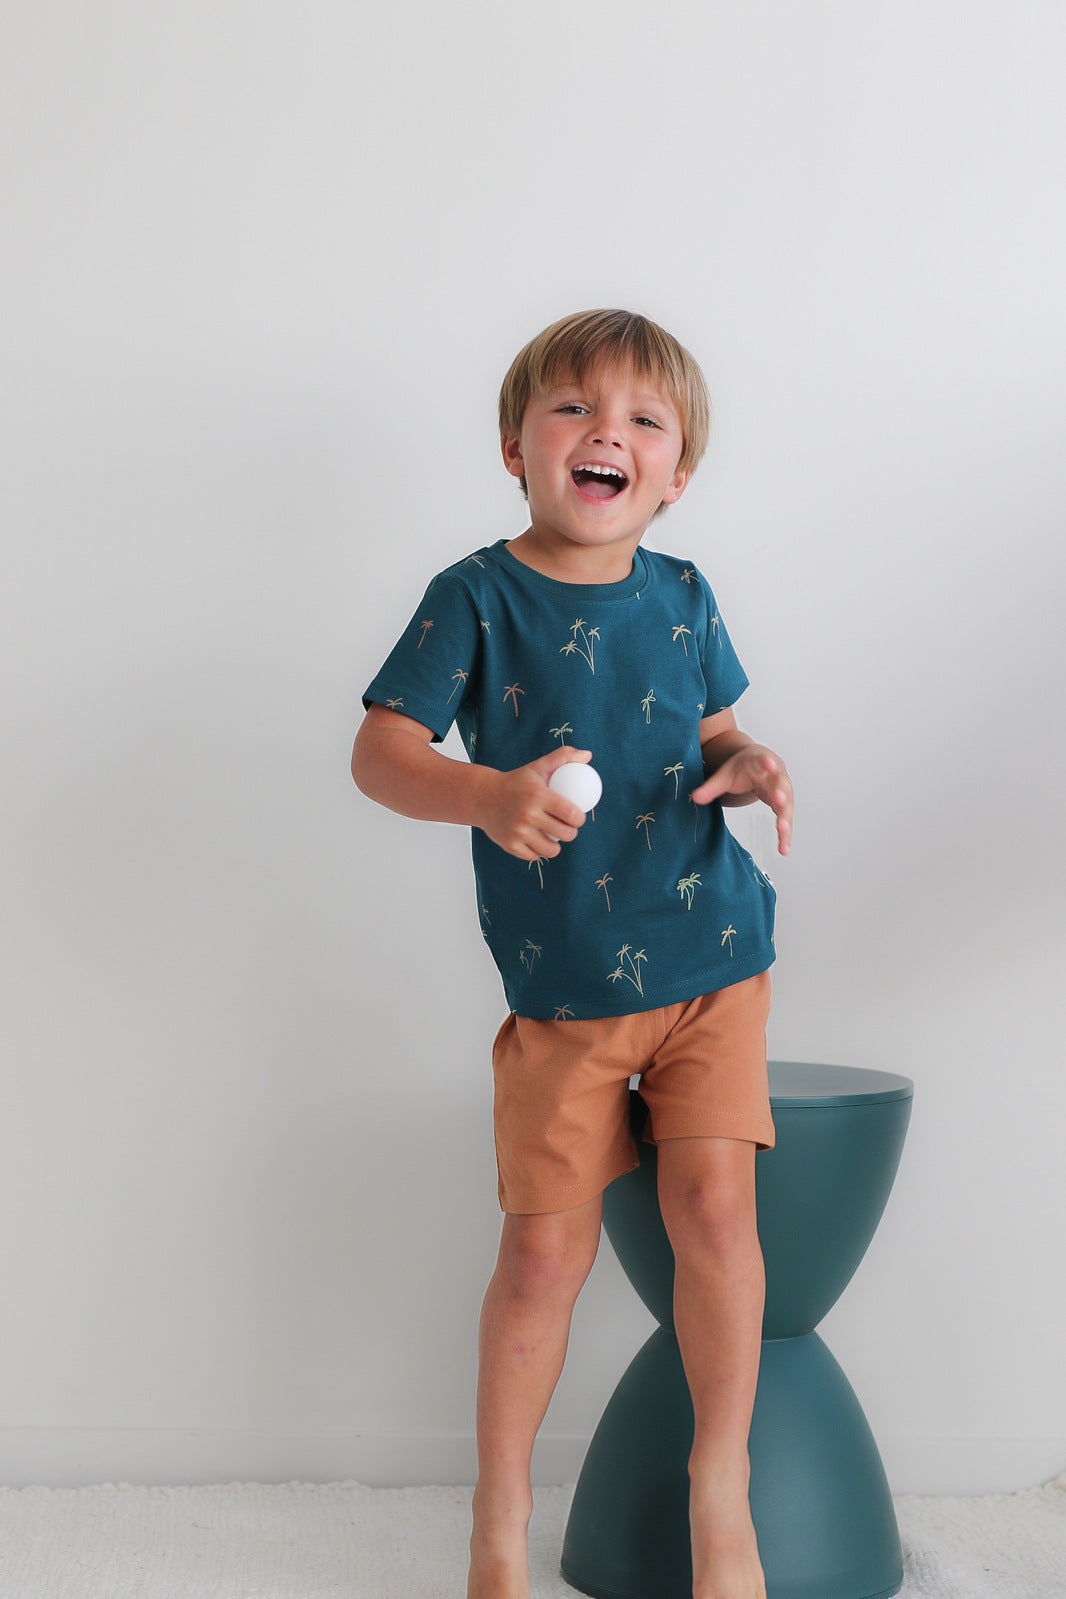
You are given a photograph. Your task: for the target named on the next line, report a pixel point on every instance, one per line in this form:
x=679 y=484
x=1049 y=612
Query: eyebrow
x=644 y=397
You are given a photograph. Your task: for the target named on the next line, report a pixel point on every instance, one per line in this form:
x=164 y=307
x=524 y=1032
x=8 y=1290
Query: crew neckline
x=627 y=588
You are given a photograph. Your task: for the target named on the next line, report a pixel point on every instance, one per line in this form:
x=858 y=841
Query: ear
x=512 y=456
x=676 y=487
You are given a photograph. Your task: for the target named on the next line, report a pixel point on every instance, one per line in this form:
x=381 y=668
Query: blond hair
x=578 y=346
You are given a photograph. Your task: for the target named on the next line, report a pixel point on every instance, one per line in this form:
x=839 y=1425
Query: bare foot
x=725 y=1551
x=499 y=1550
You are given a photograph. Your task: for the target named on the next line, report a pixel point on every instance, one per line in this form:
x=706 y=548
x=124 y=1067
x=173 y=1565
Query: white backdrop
x=264 y=267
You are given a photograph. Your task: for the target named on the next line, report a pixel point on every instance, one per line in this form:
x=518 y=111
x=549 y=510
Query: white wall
x=264 y=267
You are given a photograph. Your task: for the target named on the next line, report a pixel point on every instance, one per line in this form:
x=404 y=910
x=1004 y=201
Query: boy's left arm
x=740 y=771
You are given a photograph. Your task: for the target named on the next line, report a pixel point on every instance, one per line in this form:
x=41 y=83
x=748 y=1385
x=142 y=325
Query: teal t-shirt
x=654 y=901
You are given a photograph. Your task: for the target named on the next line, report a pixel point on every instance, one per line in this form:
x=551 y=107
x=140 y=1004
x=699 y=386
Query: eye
x=646 y=421
x=572 y=405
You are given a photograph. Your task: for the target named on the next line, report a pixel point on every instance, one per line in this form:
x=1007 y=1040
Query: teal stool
x=820 y=1500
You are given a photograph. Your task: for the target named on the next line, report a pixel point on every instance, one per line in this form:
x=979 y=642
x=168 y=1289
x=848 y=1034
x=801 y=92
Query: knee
x=710 y=1216
x=547 y=1255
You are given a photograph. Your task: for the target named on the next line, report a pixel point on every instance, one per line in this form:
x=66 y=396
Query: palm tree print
x=696 y=829
x=642 y=822
x=528 y=955
x=646 y=704
x=675 y=773
x=425 y=626
x=512 y=694
x=716 y=623
x=679 y=633
x=561 y=732
x=457 y=677
x=540 y=869
x=476 y=560
x=688 y=885
x=633 y=974
x=688 y=574
x=588 y=640
x=563 y=1013
x=729 y=933
x=486 y=625
x=601 y=882
x=394 y=705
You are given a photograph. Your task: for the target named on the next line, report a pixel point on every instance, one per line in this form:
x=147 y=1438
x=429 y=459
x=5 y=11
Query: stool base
x=819 y=1496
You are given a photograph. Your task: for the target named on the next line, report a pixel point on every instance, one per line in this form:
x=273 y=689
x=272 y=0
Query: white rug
x=343 y=1541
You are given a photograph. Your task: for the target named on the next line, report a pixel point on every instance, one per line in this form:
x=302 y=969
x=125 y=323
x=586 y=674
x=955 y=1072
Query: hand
x=754 y=772
x=523 y=815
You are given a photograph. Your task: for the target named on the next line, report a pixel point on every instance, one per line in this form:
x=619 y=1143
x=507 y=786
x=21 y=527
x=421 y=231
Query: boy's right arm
x=394 y=763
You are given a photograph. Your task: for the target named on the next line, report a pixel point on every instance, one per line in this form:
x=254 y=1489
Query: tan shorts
x=561 y=1112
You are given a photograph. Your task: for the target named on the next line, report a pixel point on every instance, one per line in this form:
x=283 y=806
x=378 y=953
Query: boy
x=636 y=939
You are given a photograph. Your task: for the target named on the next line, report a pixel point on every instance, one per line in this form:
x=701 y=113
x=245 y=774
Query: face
x=599 y=458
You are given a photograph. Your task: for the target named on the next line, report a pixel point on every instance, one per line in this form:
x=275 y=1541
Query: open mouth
x=598 y=482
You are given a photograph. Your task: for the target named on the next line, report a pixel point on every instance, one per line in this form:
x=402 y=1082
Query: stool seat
x=819 y=1497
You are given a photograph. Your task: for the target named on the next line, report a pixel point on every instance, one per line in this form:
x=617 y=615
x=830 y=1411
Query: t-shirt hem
x=651 y=999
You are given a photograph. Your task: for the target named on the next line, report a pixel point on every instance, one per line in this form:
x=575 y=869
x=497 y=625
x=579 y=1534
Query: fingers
x=754 y=773
x=782 y=806
x=555 y=817
x=547 y=851
x=708 y=790
x=547 y=764
x=751 y=771
x=565 y=819
x=565 y=811
x=542 y=838
x=533 y=821
x=776 y=791
x=545 y=840
x=561 y=817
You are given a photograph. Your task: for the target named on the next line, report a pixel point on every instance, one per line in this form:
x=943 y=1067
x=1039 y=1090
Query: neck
x=574 y=563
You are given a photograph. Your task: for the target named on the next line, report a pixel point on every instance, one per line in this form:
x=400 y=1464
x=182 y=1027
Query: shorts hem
x=567 y=1196
x=717 y=1125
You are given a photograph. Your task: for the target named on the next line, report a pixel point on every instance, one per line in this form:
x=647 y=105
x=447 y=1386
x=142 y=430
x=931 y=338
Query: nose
x=606 y=431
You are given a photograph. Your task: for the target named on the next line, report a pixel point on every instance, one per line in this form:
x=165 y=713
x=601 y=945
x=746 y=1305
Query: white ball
x=578 y=782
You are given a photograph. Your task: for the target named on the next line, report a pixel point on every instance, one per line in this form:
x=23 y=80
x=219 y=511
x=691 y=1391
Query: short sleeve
x=723 y=675
x=434 y=665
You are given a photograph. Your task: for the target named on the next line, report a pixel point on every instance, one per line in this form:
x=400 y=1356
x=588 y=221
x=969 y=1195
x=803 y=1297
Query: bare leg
x=525 y=1326
x=707 y=1195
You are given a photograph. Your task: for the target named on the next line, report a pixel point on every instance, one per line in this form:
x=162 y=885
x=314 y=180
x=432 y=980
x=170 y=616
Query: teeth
x=602 y=471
